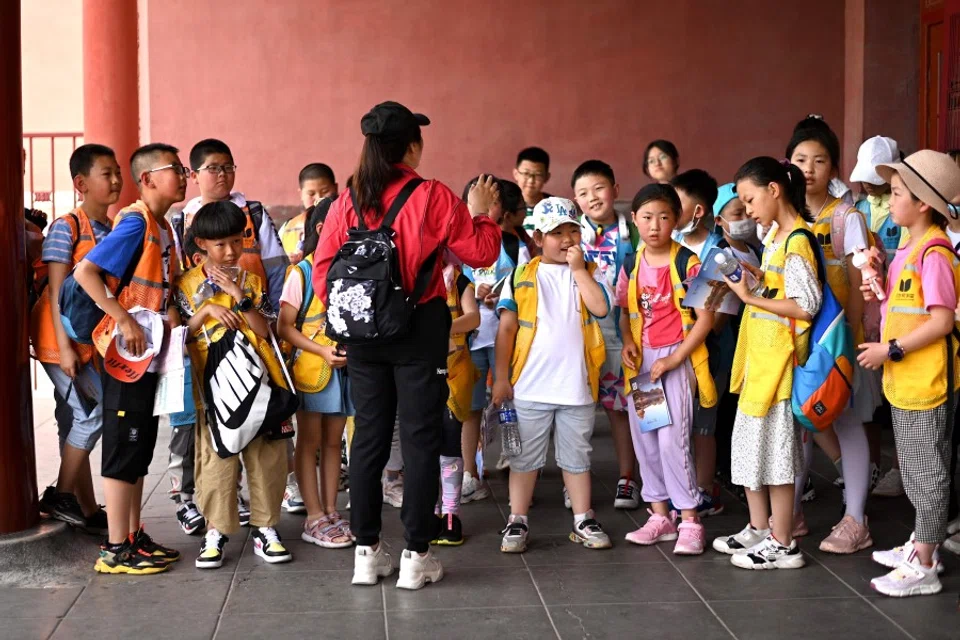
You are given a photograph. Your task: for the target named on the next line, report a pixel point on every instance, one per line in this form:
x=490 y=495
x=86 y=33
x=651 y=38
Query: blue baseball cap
x=725 y=193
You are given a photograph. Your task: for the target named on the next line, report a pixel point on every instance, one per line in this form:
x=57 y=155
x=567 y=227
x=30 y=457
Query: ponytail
x=764 y=170
x=376 y=168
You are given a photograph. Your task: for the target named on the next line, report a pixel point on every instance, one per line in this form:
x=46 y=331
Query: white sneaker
x=741 y=542
x=628 y=494
x=566 y=499
x=770 y=554
x=393 y=492
x=473 y=489
x=953 y=526
x=292 y=500
x=910 y=578
x=417 y=570
x=268 y=545
x=890 y=485
x=369 y=565
x=893 y=558
x=952 y=544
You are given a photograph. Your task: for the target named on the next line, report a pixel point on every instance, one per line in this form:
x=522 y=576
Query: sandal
x=325 y=533
x=343 y=523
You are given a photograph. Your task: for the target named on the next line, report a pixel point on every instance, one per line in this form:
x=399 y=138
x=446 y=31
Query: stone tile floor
x=555 y=590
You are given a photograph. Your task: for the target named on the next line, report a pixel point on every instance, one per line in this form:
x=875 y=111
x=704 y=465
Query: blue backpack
x=823 y=384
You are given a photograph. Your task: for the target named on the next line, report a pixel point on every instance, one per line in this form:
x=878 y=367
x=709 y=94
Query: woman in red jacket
x=406 y=377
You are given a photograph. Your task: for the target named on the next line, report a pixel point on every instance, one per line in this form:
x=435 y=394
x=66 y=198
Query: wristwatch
x=896 y=351
x=245 y=304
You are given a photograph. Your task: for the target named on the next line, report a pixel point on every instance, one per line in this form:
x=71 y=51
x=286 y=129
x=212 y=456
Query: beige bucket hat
x=931 y=176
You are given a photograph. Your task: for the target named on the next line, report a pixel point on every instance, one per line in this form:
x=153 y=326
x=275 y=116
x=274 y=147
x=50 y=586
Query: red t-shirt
x=662 y=324
x=433 y=217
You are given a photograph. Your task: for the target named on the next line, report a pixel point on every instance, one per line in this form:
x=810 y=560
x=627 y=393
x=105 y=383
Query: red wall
x=286 y=82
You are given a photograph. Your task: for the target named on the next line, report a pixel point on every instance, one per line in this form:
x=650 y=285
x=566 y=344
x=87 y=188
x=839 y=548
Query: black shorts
x=882 y=416
x=129 y=427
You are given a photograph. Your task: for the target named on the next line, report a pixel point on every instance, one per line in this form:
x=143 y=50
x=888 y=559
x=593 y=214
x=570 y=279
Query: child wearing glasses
x=532 y=173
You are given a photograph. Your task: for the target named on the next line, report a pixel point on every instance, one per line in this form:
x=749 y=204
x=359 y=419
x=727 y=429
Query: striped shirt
x=59 y=243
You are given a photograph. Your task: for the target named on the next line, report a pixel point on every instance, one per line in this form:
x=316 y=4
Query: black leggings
x=452 y=429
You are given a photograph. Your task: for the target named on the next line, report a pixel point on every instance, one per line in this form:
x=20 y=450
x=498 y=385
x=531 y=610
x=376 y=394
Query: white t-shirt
x=747 y=256
x=854 y=234
x=555 y=371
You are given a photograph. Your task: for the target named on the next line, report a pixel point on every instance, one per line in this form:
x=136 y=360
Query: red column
x=18 y=469
x=111 y=102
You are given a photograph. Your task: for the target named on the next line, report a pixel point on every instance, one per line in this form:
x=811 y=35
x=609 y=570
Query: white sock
x=580 y=517
x=516 y=518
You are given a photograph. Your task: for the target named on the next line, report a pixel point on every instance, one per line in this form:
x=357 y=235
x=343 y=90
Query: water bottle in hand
x=509 y=429
x=729 y=266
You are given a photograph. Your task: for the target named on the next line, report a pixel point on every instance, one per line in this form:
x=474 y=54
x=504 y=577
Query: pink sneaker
x=800 y=528
x=690 y=542
x=848 y=536
x=656 y=529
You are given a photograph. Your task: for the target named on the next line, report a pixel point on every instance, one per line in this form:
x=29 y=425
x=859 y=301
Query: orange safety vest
x=146 y=287
x=42 y=334
x=251 y=260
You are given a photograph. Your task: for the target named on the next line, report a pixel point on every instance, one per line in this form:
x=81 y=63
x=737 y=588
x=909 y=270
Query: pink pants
x=665 y=456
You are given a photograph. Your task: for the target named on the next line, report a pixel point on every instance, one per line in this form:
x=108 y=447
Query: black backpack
x=366 y=303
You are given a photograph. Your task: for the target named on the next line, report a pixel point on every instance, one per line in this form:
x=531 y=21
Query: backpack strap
x=629 y=262
x=511 y=244
x=817 y=252
x=682 y=261
x=307 y=299
x=405 y=192
x=256 y=214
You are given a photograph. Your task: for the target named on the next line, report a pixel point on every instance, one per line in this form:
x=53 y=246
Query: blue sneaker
x=709 y=505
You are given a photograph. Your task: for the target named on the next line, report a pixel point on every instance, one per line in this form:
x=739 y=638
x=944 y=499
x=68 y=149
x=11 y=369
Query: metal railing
x=42 y=155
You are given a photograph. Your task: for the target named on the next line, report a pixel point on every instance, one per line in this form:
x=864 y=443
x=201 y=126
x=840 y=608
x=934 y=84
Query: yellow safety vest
x=525 y=294
x=462 y=375
x=767 y=347
x=291 y=234
x=919 y=381
x=311 y=373
x=699 y=358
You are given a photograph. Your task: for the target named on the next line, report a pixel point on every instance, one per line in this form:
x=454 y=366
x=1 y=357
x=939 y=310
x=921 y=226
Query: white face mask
x=742 y=229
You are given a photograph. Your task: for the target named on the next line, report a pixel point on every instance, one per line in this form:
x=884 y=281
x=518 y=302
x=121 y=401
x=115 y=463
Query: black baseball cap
x=391 y=119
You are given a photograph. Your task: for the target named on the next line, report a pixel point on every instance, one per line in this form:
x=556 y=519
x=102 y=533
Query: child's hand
x=333 y=359
x=491 y=300
x=662 y=366
x=867 y=292
x=483 y=291
x=739 y=288
x=482 y=195
x=873 y=355
x=502 y=391
x=296 y=257
x=69 y=361
x=575 y=258
x=225 y=282
x=629 y=354
x=133 y=339
x=227 y=317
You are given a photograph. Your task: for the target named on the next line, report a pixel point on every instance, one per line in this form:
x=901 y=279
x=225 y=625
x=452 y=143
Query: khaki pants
x=216 y=481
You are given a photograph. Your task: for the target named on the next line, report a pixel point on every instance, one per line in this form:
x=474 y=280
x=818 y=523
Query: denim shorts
x=334 y=400
x=483 y=360
x=86 y=429
x=574 y=428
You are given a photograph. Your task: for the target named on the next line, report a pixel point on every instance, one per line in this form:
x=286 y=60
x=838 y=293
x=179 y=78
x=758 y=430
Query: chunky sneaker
x=189 y=518
x=127 y=559
x=898 y=555
x=952 y=544
x=890 y=485
x=514 y=537
x=628 y=494
x=47 y=498
x=473 y=489
x=770 y=554
x=740 y=542
x=243 y=511
x=910 y=578
x=292 y=501
x=267 y=545
x=369 y=565
x=710 y=504
x=393 y=492
x=809 y=493
x=567 y=503
x=142 y=541
x=848 y=536
x=690 y=538
x=953 y=526
x=417 y=570
x=326 y=533
x=655 y=529
x=451 y=531
x=211 y=551
x=66 y=509
x=874 y=476
x=590 y=534
x=96 y=523
x=800 y=528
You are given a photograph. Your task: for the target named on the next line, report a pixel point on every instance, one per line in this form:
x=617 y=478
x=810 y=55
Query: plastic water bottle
x=729 y=266
x=509 y=428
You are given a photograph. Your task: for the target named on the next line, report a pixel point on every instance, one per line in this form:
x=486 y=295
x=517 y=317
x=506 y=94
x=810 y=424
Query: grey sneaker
x=890 y=485
x=590 y=534
x=740 y=542
x=514 y=538
x=393 y=492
